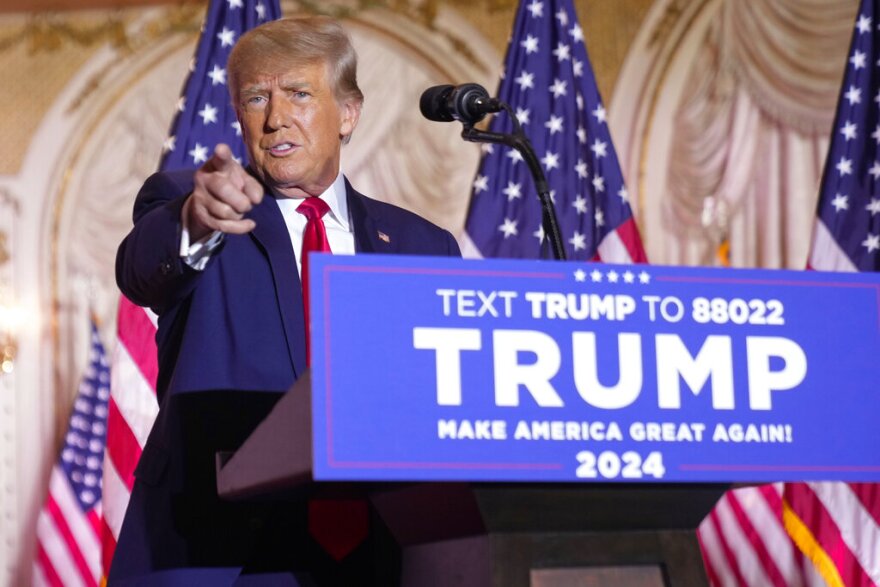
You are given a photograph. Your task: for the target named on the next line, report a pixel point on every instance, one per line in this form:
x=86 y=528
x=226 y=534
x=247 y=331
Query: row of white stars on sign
x=612 y=276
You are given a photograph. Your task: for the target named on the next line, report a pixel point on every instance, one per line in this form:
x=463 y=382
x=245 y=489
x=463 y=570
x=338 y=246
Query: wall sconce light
x=10 y=318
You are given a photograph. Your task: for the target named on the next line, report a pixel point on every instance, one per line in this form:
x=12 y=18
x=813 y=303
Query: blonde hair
x=293 y=42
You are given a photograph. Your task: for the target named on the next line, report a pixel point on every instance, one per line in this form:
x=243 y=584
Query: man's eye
x=301 y=94
x=255 y=100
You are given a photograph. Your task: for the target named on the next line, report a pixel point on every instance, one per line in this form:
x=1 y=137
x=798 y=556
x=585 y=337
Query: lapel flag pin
x=383 y=236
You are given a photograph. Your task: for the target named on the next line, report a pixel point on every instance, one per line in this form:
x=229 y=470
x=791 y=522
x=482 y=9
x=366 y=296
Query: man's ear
x=350 y=113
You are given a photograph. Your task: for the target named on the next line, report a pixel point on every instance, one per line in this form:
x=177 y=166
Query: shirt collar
x=335 y=197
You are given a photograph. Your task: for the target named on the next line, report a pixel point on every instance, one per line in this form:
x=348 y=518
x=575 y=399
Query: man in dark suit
x=218 y=254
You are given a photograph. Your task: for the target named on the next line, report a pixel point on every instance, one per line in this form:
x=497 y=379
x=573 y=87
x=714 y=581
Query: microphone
x=467 y=103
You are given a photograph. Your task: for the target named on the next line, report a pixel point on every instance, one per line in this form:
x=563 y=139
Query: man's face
x=293 y=127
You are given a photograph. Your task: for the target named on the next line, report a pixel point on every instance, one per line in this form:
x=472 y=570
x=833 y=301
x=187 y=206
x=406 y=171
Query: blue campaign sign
x=501 y=370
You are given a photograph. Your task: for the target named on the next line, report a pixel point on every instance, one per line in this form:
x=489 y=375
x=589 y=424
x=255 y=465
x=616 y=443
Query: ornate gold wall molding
x=48 y=32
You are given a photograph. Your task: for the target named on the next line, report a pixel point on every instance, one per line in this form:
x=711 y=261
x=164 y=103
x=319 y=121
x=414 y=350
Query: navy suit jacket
x=231 y=332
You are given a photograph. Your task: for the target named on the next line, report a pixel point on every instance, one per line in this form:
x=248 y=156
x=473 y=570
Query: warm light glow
x=11 y=319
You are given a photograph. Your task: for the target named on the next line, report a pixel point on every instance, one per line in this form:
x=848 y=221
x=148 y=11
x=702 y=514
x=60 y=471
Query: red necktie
x=314 y=239
x=338 y=525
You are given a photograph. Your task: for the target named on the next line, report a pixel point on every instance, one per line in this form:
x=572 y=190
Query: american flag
x=204 y=118
x=68 y=527
x=820 y=533
x=549 y=83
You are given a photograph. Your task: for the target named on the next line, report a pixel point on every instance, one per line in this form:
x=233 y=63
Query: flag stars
x=217 y=75
x=876 y=134
x=580 y=275
x=581 y=135
x=599 y=217
x=530 y=44
x=554 y=125
x=233 y=4
x=599 y=183
x=487 y=148
x=853 y=95
x=872 y=243
x=858 y=59
x=579 y=100
x=169 y=144
x=596 y=275
x=512 y=191
x=559 y=88
x=514 y=155
x=844 y=166
x=226 y=37
x=623 y=194
x=629 y=277
x=539 y=234
x=550 y=160
x=199 y=153
x=536 y=9
x=562 y=52
x=849 y=130
x=261 y=11
x=509 y=228
x=481 y=184
x=600 y=114
x=522 y=115
x=875 y=170
x=525 y=80
x=580 y=204
x=864 y=24
x=581 y=169
x=874 y=206
x=577 y=67
x=599 y=148
x=208 y=114
x=236 y=126
x=840 y=202
x=577 y=33
x=578 y=241
x=644 y=277
x=562 y=17
x=613 y=276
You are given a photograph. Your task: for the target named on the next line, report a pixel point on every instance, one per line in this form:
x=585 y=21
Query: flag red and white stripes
x=132 y=411
x=745 y=543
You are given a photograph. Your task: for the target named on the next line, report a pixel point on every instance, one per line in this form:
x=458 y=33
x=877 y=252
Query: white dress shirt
x=337 y=222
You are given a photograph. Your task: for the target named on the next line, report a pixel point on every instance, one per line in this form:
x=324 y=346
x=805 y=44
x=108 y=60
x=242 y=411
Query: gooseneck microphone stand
x=519 y=141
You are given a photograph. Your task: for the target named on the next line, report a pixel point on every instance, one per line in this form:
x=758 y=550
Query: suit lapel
x=372 y=234
x=273 y=238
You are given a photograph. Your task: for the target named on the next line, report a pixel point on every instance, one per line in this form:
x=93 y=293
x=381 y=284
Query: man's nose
x=280 y=113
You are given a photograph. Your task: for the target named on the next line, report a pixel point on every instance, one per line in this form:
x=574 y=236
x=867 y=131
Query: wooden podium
x=492 y=534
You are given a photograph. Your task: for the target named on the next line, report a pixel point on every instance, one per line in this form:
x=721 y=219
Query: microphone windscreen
x=434 y=103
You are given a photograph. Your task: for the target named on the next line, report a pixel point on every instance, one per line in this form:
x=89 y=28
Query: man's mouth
x=281 y=149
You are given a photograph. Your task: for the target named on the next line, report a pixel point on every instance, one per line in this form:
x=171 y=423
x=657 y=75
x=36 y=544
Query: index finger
x=221 y=160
